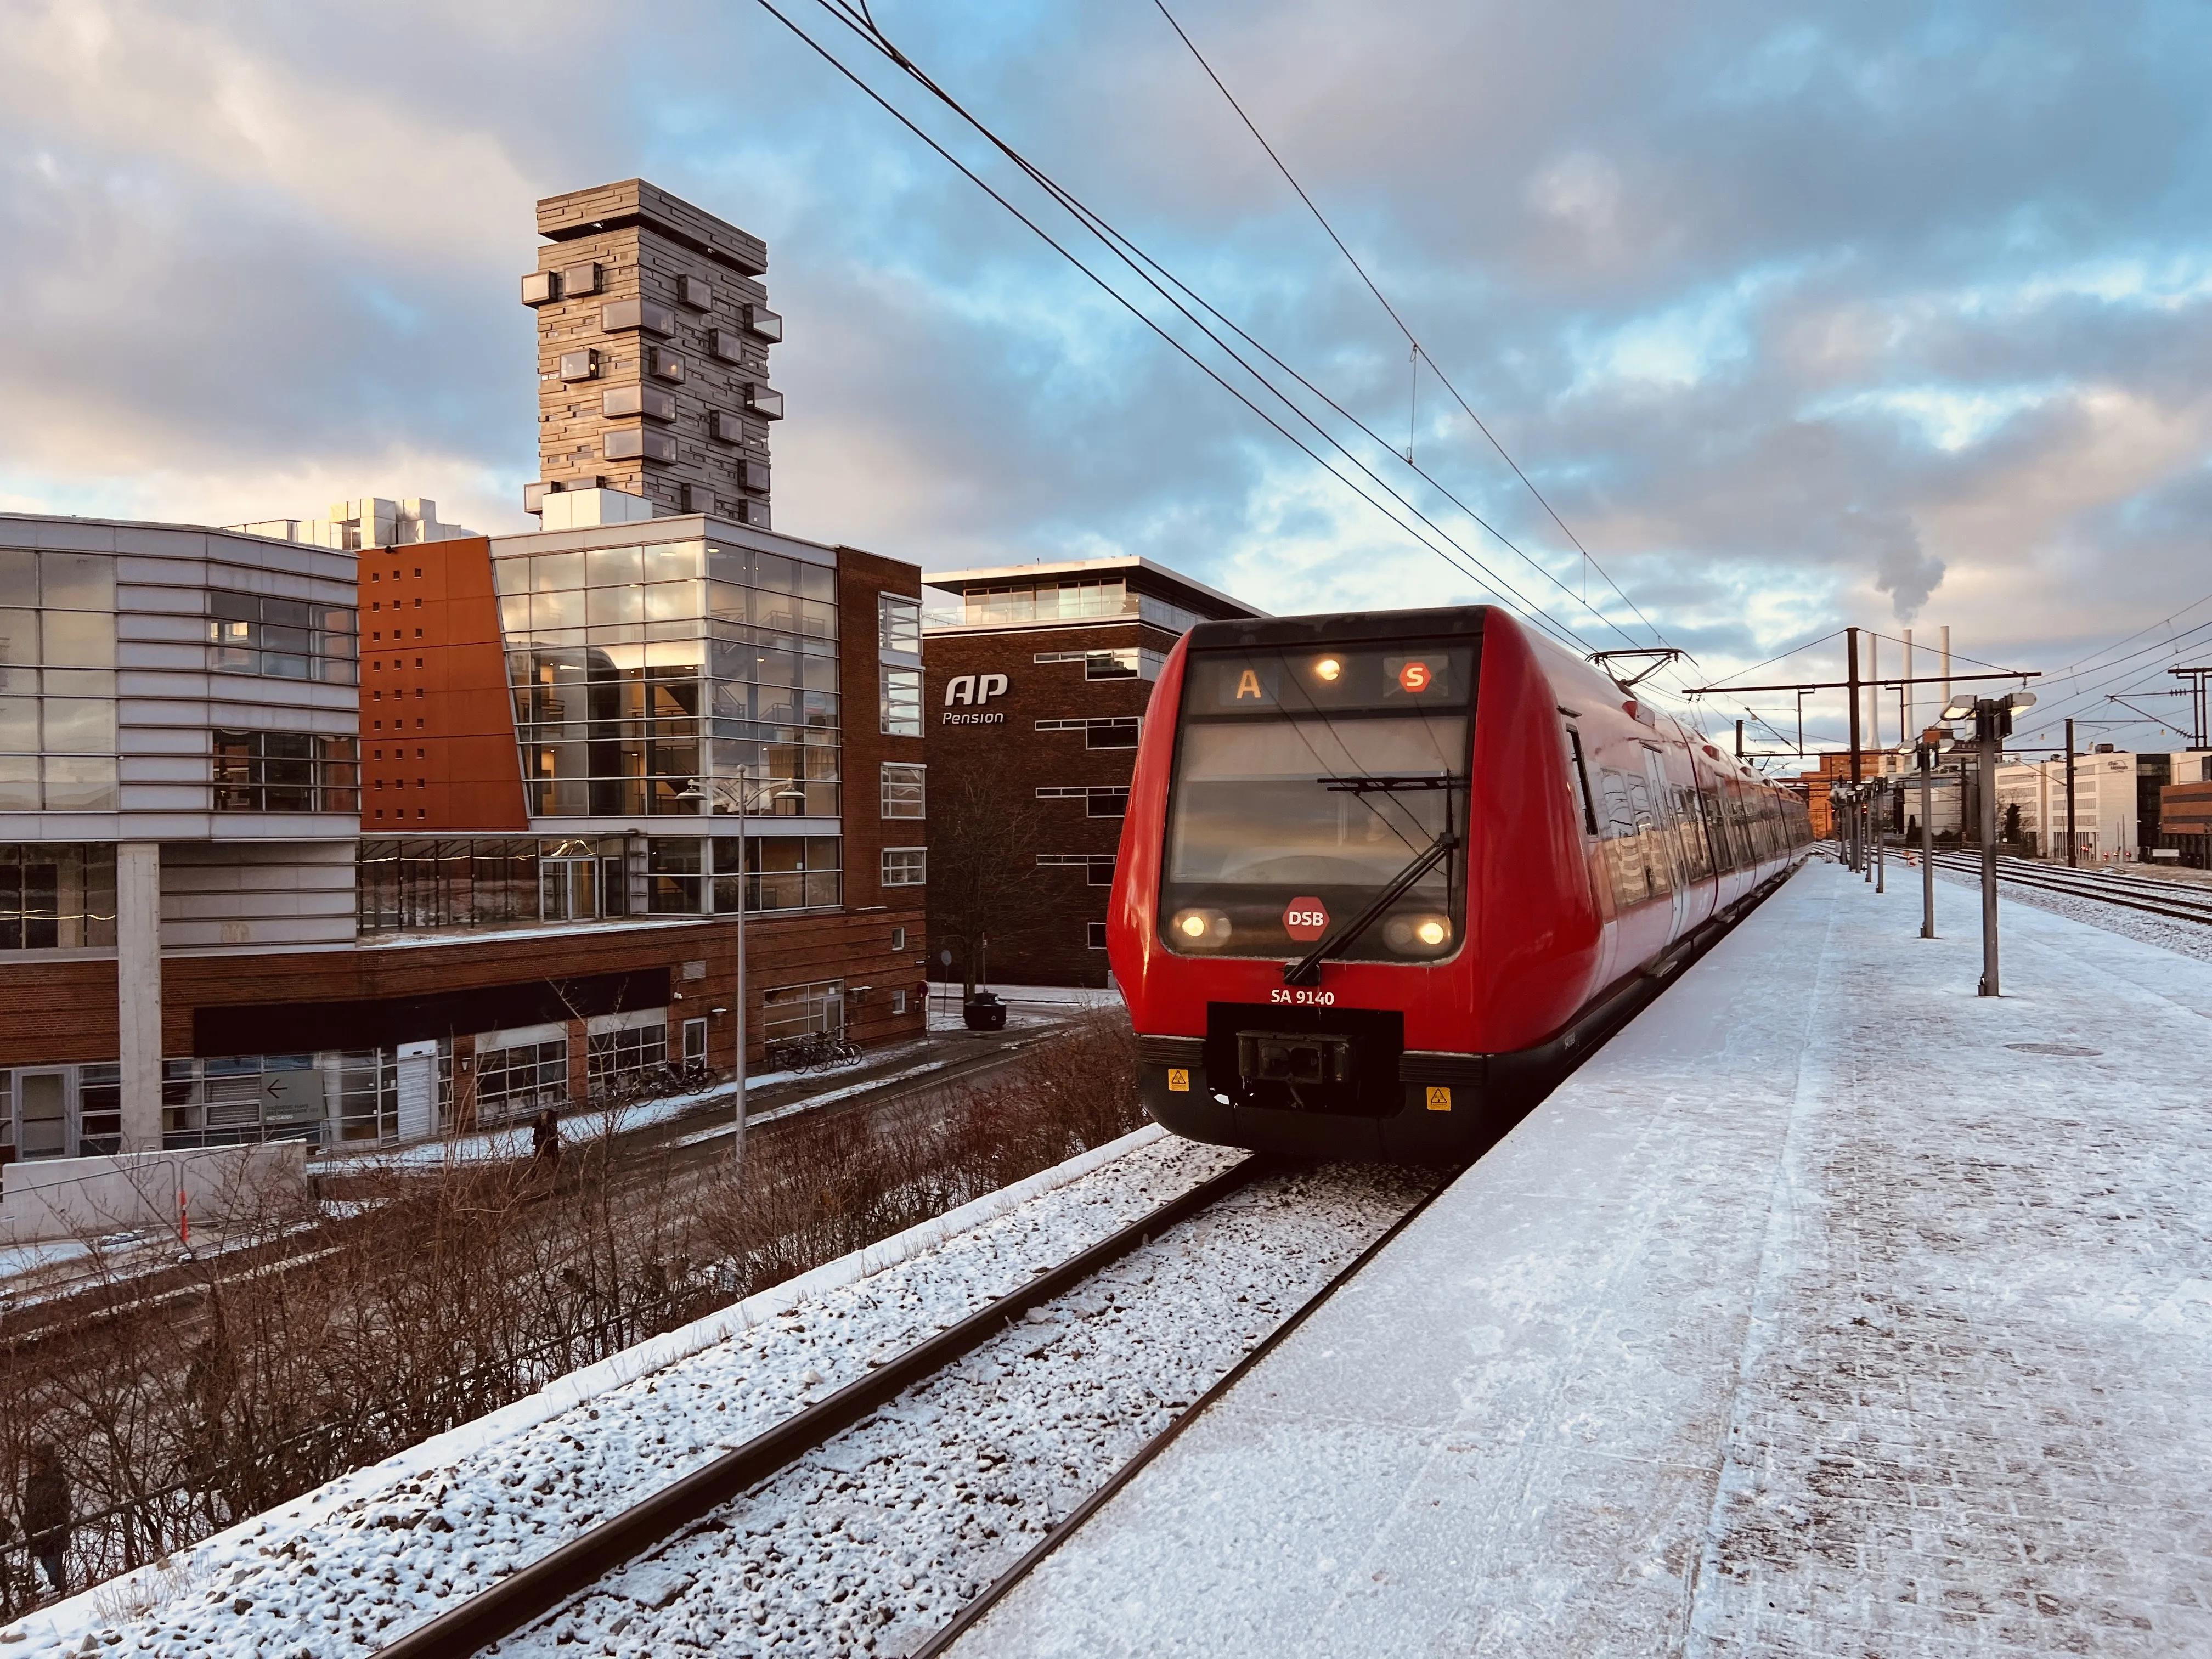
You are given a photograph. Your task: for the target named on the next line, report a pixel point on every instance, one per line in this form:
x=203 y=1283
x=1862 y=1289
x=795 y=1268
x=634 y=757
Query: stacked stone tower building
x=652 y=340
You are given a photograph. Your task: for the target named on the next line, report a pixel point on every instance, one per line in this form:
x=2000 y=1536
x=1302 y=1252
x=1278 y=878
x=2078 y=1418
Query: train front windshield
x=1306 y=782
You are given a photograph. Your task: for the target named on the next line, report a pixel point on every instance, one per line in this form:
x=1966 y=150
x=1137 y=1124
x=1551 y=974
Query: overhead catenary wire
x=1486 y=580
x=1161 y=280
x=1419 y=350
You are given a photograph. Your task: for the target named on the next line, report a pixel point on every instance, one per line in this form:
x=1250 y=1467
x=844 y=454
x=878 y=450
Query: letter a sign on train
x=1305 y=920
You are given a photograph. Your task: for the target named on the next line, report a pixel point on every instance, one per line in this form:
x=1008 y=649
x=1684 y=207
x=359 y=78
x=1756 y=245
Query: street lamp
x=1992 y=719
x=744 y=800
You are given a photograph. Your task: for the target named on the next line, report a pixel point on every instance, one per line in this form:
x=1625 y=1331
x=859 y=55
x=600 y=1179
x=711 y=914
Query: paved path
x=1812 y=1318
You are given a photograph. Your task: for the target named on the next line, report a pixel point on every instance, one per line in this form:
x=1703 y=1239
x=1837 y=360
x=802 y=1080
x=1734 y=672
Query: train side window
x=1715 y=810
x=1624 y=844
x=1580 y=769
x=1697 y=845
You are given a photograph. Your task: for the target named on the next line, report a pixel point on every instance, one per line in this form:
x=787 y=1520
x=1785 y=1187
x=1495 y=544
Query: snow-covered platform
x=1829 y=1309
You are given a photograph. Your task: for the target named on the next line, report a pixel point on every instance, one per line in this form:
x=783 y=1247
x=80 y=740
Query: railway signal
x=1992 y=719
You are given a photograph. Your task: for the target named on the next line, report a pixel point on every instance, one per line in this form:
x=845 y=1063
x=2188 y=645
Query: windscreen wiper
x=1389 y=784
x=1306 y=970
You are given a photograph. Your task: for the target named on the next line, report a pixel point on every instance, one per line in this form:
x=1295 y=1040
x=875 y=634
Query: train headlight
x=1418 y=936
x=1198 y=929
x=1328 y=668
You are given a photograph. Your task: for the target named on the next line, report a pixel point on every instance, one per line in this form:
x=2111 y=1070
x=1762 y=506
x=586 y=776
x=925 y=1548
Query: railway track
x=2152 y=897
x=531 y=1607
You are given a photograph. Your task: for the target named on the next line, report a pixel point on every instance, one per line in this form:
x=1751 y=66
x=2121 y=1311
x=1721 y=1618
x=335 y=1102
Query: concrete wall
x=85 y=1197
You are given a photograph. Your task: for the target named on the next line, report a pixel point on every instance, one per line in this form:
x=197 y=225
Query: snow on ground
x=1830 y=1309
x=2190 y=939
x=392 y=1546
x=873 y=1541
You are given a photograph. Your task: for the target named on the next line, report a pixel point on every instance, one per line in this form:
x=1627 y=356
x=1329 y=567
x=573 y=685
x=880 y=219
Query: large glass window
x=683 y=678
x=57 y=682
x=286 y=639
x=612 y=1059
x=285 y=772
x=1318 y=775
x=420 y=884
x=781 y=873
x=790 y=1011
x=520 y=1079
x=57 y=896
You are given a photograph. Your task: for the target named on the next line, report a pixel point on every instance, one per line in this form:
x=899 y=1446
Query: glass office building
x=657 y=679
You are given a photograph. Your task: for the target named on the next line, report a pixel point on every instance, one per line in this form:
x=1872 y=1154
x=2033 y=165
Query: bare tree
x=983 y=881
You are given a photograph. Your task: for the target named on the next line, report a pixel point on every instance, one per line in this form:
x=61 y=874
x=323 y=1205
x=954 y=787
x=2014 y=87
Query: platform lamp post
x=1992 y=719
x=746 y=798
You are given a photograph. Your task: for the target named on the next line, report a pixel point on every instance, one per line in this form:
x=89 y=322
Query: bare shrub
x=305 y=1345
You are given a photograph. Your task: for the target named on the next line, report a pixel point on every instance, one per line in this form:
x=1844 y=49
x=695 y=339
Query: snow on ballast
x=345 y=1568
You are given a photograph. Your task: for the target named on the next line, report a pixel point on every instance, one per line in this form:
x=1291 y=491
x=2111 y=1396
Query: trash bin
x=984 y=1013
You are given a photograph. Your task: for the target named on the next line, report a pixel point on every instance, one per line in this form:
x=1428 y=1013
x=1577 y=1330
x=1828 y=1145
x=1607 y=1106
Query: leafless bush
x=308 y=1345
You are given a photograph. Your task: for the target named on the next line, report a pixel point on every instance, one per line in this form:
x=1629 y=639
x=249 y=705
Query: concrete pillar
x=139 y=990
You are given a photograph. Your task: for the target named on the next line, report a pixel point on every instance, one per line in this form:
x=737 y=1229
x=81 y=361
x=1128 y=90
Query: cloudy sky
x=1799 y=316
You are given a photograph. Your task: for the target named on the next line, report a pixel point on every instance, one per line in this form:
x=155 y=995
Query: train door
x=1669 y=829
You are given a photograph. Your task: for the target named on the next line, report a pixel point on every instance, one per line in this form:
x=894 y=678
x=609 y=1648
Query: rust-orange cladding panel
x=437 y=723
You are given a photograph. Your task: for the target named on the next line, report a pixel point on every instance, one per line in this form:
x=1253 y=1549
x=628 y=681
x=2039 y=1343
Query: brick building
x=304 y=835
x=1037 y=680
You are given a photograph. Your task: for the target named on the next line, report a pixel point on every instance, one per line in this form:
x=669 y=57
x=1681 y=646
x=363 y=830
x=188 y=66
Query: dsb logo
x=1305 y=919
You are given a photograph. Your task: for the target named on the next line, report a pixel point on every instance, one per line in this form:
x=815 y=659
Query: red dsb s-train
x=1385 y=877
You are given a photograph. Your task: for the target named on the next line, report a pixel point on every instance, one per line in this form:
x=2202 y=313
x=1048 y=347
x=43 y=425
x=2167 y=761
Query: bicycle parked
x=817 y=1051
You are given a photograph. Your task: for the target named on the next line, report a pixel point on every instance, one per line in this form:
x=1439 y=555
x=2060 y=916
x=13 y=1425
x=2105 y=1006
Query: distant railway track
x=521 y=1600
x=2152 y=898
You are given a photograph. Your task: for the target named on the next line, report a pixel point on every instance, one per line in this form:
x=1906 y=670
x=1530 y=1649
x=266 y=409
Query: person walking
x=545 y=1144
x=46 y=1514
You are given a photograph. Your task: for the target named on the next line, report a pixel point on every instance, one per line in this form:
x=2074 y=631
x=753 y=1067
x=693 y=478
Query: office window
x=905 y=866
x=898 y=624
x=1100 y=800
x=898 y=1002
x=1097 y=867
x=898 y=939
x=781 y=873
x=903 y=790
x=789 y=1012
x=282 y=639
x=285 y=772
x=525 y=1078
x=1095 y=934
x=1132 y=663
x=57 y=896
x=902 y=702
x=57 y=638
x=612 y=1059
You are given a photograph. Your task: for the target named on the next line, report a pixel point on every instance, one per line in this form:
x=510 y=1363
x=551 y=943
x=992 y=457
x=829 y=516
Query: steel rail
x=2087 y=887
x=532 y=1591
x=997 y=1590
